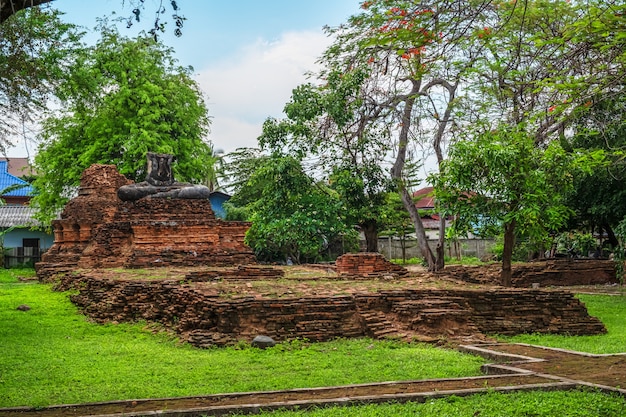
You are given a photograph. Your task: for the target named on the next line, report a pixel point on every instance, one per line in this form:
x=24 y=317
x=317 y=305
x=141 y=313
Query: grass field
x=528 y=404
x=51 y=355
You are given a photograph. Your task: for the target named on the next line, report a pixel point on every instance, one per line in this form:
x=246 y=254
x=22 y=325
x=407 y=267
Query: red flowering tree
x=416 y=58
x=434 y=70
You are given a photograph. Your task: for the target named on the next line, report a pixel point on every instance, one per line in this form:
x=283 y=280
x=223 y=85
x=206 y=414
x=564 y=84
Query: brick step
x=378 y=326
x=433 y=315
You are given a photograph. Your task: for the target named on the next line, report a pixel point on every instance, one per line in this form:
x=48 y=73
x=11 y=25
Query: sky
x=247 y=55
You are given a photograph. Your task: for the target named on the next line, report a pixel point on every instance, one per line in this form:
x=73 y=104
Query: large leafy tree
x=415 y=55
x=35 y=50
x=36 y=47
x=501 y=180
x=438 y=69
x=535 y=76
x=599 y=196
x=294 y=216
x=327 y=123
x=122 y=98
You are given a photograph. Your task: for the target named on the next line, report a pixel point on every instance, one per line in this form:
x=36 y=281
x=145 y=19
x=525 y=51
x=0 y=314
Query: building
x=20 y=240
x=425 y=202
x=218 y=199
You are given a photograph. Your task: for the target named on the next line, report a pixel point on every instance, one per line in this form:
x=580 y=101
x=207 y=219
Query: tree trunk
x=397 y=175
x=611 y=235
x=441 y=244
x=420 y=232
x=507 y=254
x=370 y=230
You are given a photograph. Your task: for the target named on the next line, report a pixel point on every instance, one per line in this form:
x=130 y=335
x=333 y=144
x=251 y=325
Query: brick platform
x=552 y=272
x=208 y=320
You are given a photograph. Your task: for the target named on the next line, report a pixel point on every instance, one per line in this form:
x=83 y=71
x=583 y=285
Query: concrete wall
x=392 y=248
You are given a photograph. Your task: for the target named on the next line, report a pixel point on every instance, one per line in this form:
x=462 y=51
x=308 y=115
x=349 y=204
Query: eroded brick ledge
x=208 y=320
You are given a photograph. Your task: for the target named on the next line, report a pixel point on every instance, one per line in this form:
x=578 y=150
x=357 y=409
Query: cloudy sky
x=247 y=55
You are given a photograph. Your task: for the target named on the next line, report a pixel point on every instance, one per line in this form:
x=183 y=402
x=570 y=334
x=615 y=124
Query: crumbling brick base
x=208 y=320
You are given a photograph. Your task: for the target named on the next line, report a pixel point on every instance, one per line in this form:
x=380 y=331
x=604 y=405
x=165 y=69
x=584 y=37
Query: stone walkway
x=516 y=367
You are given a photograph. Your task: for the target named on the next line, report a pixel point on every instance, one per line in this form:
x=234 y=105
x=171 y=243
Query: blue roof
x=8 y=180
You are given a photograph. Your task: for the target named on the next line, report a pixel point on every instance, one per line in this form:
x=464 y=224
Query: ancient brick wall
x=366 y=264
x=210 y=320
x=553 y=272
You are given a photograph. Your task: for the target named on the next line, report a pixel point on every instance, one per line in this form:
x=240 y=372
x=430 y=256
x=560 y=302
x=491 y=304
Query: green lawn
x=51 y=355
x=528 y=404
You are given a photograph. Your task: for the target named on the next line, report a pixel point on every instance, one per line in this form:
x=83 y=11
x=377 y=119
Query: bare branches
x=10 y=7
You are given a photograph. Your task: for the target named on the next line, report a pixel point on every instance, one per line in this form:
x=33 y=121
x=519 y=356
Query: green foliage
x=35 y=49
x=237 y=169
x=599 y=195
x=500 y=177
x=575 y=243
x=121 y=99
x=292 y=216
x=396 y=220
x=86 y=362
x=324 y=122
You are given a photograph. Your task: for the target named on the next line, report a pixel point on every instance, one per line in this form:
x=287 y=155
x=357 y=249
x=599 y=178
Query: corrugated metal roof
x=425 y=198
x=8 y=180
x=18 y=216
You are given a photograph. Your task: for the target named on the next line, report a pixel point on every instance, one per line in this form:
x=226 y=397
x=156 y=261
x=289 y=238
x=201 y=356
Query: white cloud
x=255 y=83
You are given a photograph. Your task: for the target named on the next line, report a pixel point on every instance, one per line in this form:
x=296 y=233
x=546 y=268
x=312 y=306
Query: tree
x=415 y=56
x=238 y=168
x=599 y=196
x=10 y=7
x=294 y=217
x=501 y=179
x=362 y=193
x=35 y=49
x=326 y=123
x=122 y=98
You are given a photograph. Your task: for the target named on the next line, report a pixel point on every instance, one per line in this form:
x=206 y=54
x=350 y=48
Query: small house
x=20 y=241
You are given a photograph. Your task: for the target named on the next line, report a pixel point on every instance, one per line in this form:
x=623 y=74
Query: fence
x=22 y=256
x=391 y=248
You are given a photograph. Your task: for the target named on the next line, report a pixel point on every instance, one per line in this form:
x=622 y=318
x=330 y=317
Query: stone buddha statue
x=159 y=183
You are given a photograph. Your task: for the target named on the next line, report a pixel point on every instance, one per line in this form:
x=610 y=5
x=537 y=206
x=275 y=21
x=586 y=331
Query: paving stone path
x=516 y=367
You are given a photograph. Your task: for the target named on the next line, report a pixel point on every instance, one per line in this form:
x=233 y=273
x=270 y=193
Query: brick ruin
x=98 y=230
x=551 y=272
x=366 y=264
x=208 y=320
